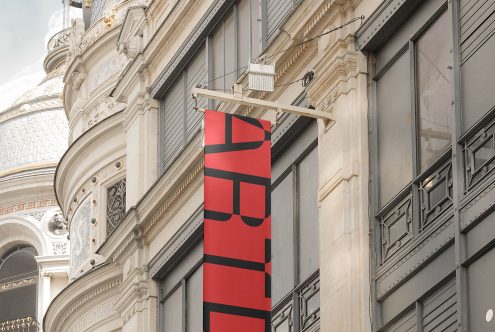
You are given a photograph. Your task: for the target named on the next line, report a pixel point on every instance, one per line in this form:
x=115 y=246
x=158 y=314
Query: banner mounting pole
x=254 y=102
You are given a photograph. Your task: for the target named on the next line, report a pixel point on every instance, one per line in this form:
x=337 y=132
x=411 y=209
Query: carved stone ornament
x=58 y=225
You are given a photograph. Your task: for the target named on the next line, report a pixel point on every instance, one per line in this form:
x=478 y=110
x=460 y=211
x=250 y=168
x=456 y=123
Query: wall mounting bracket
x=237 y=98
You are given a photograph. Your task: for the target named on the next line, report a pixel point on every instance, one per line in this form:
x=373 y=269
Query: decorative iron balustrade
x=26 y=324
x=479 y=155
x=115 y=205
x=18 y=281
x=436 y=194
x=60 y=39
x=396 y=228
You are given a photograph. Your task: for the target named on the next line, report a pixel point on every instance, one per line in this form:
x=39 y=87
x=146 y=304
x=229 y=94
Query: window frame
x=293 y=299
x=417 y=176
x=181 y=283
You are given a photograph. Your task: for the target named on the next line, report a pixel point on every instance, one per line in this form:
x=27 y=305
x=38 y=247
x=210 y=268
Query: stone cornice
x=29 y=170
x=105 y=281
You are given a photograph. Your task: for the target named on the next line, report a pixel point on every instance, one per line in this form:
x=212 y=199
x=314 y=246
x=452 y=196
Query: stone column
x=43 y=293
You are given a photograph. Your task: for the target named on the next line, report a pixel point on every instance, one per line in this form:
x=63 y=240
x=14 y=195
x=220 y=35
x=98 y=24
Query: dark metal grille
x=115 y=205
x=97 y=9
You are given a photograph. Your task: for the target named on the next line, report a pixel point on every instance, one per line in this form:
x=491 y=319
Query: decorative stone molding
x=85 y=298
x=60 y=248
x=101 y=111
x=96 y=314
x=81 y=40
x=130 y=40
x=27 y=206
x=133 y=296
x=174 y=197
x=38 y=215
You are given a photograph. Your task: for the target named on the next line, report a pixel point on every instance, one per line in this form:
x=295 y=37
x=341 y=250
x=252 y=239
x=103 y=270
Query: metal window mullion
x=235 y=12
x=374 y=191
x=184 y=108
x=184 y=304
x=295 y=223
x=224 y=71
x=416 y=169
x=419 y=316
x=209 y=67
x=458 y=173
x=296 y=312
x=250 y=29
x=264 y=25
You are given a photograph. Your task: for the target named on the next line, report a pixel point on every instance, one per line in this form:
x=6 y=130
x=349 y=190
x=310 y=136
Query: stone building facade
x=380 y=222
x=34 y=249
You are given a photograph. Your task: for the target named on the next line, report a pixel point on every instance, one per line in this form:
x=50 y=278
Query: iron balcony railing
x=19 y=280
x=26 y=324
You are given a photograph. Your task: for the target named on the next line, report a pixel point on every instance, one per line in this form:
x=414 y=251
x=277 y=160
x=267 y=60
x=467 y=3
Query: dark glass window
x=235 y=40
x=394 y=128
x=414 y=107
x=434 y=91
x=295 y=235
x=18 y=278
x=181 y=294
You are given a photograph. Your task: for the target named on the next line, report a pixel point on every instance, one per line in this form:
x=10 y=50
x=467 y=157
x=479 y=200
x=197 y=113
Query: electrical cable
x=313 y=38
x=263 y=57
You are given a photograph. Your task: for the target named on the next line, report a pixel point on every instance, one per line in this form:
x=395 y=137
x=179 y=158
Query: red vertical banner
x=237 y=226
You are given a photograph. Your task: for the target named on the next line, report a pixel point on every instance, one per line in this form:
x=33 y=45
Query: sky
x=25 y=28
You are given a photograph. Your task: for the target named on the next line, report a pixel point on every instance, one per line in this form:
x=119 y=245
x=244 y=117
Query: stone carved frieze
x=95 y=315
x=35 y=214
x=79 y=236
x=60 y=248
x=27 y=206
x=103 y=110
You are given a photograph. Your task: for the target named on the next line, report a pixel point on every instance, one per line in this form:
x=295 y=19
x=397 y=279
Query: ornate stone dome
x=34 y=129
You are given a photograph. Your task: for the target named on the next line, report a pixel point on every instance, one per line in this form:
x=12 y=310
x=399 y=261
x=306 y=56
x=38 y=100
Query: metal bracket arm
x=253 y=102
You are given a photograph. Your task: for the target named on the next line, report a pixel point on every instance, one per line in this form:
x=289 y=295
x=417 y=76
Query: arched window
x=18 y=279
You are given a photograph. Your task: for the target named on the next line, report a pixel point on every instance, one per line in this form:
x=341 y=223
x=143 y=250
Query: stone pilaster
x=340 y=88
x=141 y=127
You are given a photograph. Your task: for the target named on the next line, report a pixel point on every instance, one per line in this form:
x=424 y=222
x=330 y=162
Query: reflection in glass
x=308 y=215
x=282 y=239
x=172 y=311
x=394 y=129
x=434 y=94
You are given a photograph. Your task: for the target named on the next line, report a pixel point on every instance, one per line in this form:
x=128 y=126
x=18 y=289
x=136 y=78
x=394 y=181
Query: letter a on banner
x=237 y=226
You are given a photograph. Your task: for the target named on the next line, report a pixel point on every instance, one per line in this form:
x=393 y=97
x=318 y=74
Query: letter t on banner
x=237 y=226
